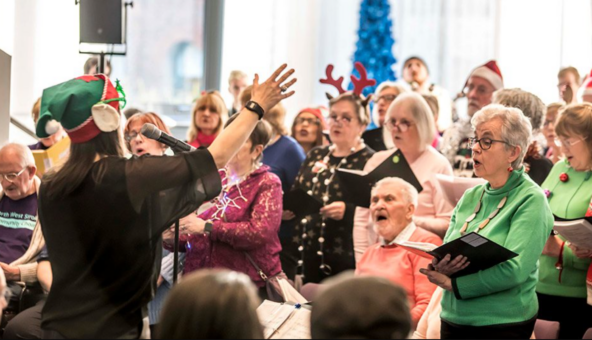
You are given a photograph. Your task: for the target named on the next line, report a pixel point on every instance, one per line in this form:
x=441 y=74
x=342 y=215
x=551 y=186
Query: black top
x=338 y=246
x=374 y=139
x=539 y=169
x=104 y=240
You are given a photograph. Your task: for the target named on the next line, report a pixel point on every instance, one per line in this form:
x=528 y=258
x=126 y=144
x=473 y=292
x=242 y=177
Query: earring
x=510 y=169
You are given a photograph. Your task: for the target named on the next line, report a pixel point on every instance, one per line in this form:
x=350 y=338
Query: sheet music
x=578 y=232
x=284 y=321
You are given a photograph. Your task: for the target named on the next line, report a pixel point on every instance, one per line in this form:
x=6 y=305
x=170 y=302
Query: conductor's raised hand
x=269 y=93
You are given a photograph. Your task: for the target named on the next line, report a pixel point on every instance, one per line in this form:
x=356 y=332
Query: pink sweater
x=433 y=211
x=402 y=267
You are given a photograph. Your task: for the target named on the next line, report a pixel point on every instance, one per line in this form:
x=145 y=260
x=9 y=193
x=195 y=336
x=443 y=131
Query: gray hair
x=516 y=127
x=23 y=151
x=383 y=86
x=422 y=114
x=408 y=191
x=392 y=85
x=531 y=105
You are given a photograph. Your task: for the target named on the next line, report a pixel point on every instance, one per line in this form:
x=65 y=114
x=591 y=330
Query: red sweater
x=402 y=267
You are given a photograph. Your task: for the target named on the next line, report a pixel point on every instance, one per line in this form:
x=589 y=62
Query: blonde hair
x=422 y=114
x=236 y=75
x=36 y=110
x=555 y=107
x=576 y=119
x=214 y=100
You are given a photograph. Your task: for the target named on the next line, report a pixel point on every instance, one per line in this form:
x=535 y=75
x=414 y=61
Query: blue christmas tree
x=374 y=48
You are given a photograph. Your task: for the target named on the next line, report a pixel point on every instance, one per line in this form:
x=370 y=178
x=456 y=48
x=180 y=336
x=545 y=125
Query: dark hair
x=62 y=181
x=226 y=311
x=260 y=136
x=418 y=59
x=94 y=62
x=132 y=111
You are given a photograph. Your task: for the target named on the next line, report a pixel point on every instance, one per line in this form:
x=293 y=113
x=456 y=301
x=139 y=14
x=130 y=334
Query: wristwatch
x=254 y=107
x=208 y=228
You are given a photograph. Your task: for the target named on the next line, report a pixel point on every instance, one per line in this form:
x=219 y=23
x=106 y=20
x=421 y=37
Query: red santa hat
x=491 y=73
x=588 y=85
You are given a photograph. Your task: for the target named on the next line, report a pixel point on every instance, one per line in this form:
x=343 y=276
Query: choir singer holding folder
x=412 y=126
x=510 y=210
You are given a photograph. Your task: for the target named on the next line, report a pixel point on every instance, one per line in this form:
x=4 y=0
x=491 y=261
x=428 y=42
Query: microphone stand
x=176 y=254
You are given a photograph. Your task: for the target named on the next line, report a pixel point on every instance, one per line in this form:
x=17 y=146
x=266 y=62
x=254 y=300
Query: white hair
x=382 y=87
x=421 y=113
x=516 y=127
x=408 y=192
x=531 y=105
x=23 y=151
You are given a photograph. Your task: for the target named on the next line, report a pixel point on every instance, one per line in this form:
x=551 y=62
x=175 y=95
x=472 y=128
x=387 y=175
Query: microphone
x=152 y=132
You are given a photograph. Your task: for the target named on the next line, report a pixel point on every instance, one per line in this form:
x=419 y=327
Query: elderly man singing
x=392 y=208
x=20 y=233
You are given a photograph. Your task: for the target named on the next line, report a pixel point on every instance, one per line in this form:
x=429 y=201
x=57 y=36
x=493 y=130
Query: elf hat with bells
x=85 y=107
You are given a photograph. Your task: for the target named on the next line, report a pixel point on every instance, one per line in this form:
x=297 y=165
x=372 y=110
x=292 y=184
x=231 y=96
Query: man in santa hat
x=479 y=88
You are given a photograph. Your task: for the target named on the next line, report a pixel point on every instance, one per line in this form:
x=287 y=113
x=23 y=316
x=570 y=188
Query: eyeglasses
x=12 y=177
x=485 y=143
x=334 y=119
x=481 y=90
x=385 y=97
x=130 y=136
x=403 y=125
x=310 y=121
x=568 y=144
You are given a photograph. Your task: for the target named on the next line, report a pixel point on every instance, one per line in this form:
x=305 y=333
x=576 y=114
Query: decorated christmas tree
x=374 y=48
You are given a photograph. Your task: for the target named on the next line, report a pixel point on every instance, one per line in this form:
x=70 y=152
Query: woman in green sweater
x=511 y=210
x=562 y=284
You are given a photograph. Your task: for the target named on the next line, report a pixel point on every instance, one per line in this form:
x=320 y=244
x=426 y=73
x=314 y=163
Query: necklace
x=483 y=224
x=324 y=166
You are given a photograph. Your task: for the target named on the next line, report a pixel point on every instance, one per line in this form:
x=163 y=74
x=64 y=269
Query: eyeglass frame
x=568 y=144
x=17 y=175
x=482 y=92
x=378 y=98
x=310 y=121
x=343 y=120
x=128 y=137
x=474 y=140
x=389 y=124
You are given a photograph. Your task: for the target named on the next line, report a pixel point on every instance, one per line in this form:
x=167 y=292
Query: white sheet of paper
x=290 y=294
x=577 y=232
x=284 y=321
x=455 y=187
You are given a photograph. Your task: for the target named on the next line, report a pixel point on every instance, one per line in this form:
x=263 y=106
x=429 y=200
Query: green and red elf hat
x=85 y=107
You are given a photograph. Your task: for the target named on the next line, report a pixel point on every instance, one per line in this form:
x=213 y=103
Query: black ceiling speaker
x=101 y=22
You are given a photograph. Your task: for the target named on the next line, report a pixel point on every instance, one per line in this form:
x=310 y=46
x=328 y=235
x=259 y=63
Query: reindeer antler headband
x=359 y=83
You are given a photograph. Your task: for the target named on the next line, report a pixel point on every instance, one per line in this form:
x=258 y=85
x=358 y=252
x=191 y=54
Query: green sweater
x=505 y=293
x=568 y=200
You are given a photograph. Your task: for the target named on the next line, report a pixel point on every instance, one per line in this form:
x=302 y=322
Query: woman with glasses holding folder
x=412 y=126
x=562 y=283
x=510 y=210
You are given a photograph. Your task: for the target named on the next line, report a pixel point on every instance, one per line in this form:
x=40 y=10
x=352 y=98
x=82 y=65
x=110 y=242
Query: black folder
x=301 y=203
x=480 y=251
x=357 y=186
